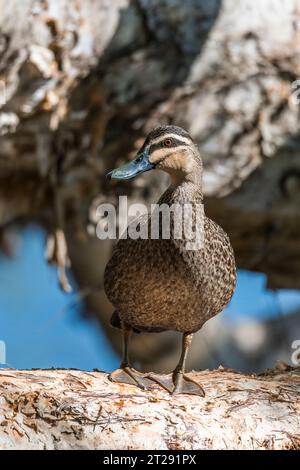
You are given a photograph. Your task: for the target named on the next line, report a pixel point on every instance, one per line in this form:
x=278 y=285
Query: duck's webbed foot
x=177 y=383
x=128 y=375
x=184 y=384
x=125 y=373
x=165 y=381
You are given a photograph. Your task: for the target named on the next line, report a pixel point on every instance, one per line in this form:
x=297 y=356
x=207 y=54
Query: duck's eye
x=167 y=142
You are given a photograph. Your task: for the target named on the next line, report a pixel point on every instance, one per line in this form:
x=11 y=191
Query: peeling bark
x=70 y=409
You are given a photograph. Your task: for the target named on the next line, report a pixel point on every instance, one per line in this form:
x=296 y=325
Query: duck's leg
x=125 y=373
x=178 y=382
x=183 y=383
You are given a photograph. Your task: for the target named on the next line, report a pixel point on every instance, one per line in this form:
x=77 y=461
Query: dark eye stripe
x=174 y=143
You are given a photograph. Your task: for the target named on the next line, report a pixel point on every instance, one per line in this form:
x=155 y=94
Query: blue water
x=253 y=300
x=37 y=328
x=40 y=329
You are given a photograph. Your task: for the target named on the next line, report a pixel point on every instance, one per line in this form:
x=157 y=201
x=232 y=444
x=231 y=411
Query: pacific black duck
x=162 y=284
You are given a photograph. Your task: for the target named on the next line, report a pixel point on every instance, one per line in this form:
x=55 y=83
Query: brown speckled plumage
x=158 y=285
x=155 y=284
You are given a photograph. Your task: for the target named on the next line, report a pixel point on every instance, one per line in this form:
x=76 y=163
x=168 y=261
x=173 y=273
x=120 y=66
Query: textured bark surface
x=69 y=409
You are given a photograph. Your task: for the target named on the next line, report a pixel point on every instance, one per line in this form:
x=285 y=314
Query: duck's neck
x=186 y=189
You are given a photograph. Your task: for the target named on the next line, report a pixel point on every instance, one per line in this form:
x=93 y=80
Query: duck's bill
x=139 y=165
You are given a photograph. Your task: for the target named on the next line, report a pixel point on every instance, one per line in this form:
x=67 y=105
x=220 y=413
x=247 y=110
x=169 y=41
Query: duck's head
x=167 y=148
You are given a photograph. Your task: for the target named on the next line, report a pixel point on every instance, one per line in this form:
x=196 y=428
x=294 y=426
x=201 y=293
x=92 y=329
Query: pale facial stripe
x=181 y=138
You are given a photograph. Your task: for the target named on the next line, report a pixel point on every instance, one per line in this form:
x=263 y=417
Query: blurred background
x=81 y=85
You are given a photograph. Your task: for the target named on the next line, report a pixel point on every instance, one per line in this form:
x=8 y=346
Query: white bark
x=69 y=409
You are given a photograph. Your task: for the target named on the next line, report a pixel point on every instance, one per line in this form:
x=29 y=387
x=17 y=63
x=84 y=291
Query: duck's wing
x=127 y=248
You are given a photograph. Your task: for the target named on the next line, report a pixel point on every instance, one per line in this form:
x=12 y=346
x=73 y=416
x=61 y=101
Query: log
x=71 y=409
x=85 y=81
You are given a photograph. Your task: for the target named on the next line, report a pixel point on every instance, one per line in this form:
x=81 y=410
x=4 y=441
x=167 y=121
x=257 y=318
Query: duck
x=169 y=282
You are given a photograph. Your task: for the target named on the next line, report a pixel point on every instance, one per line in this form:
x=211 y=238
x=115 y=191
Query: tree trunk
x=70 y=409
